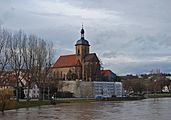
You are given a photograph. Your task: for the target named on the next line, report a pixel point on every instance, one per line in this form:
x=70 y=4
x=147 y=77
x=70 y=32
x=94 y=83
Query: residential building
x=108 y=75
x=107 y=89
x=33 y=91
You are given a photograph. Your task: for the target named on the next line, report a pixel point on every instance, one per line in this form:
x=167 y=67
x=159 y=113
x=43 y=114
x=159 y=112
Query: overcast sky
x=129 y=36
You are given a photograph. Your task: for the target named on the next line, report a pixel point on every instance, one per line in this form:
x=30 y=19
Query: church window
x=78 y=52
x=57 y=74
x=64 y=77
x=61 y=74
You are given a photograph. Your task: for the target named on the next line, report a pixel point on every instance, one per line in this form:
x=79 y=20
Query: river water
x=148 y=109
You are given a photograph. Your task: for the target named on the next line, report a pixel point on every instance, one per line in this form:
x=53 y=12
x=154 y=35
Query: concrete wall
x=79 y=88
x=85 y=89
x=118 y=89
x=71 y=86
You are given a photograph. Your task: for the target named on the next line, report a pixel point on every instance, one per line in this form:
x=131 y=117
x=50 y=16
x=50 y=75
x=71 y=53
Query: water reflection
x=149 y=109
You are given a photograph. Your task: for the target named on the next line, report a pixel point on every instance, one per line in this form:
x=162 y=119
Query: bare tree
x=17 y=60
x=38 y=56
x=5 y=37
x=40 y=62
x=5 y=95
x=29 y=60
x=26 y=54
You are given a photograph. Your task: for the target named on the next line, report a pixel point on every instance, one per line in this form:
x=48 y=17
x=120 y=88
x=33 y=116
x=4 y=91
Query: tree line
x=152 y=83
x=25 y=54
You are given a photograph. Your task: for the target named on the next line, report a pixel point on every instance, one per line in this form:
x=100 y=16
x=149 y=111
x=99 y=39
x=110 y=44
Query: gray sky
x=129 y=36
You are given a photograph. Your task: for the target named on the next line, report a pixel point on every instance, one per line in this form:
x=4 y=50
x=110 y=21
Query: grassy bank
x=158 y=95
x=25 y=104
x=75 y=100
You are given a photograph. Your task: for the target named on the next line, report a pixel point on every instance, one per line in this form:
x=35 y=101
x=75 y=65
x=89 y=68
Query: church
x=82 y=65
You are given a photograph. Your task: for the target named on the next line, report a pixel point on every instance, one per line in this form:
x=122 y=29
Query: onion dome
x=82 y=41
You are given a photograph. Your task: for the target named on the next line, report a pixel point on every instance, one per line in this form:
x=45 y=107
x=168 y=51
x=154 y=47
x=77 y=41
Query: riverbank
x=158 y=95
x=26 y=104
x=23 y=104
x=147 y=109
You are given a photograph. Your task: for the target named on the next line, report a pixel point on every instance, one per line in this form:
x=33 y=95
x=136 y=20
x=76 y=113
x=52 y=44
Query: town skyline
x=135 y=37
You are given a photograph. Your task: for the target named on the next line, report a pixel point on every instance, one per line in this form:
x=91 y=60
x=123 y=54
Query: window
x=78 y=52
x=61 y=74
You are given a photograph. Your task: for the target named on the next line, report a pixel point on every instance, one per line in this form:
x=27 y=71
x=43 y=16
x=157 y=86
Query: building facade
x=82 y=65
x=33 y=91
x=95 y=89
x=107 y=89
x=108 y=75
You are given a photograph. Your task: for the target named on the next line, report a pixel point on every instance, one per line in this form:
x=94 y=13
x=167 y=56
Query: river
x=147 y=109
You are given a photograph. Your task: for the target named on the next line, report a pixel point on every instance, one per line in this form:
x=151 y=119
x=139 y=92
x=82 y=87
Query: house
x=33 y=91
x=108 y=75
x=82 y=65
x=7 y=80
x=165 y=89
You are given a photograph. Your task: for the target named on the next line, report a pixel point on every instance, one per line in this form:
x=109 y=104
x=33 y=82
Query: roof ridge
x=92 y=53
x=67 y=55
x=106 y=70
x=67 y=61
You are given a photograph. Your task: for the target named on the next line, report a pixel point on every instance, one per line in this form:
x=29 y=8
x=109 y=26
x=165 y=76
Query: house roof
x=67 y=61
x=9 y=79
x=106 y=72
x=82 y=41
x=91 y=58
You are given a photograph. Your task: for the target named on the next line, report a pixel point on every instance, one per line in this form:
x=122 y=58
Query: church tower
x=82 y=65
x=82 y=46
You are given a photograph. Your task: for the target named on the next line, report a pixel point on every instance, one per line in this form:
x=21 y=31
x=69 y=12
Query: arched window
x=78 y=52
x=61 y=74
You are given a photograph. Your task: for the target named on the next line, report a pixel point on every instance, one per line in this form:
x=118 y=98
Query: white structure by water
x=107 y=89
x=33 y=91
x=93 y=89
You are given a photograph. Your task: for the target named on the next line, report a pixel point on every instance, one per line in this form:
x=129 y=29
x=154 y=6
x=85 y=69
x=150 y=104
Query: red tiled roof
x=106 y=72
x=7 y=80
x=67 y=61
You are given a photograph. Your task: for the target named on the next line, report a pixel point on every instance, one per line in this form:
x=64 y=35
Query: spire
x=82 y=32
x=82 y=41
